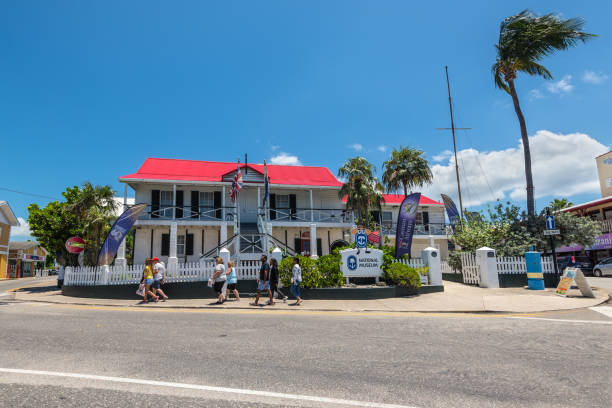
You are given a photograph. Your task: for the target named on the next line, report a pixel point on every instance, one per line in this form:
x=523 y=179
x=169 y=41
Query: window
x=207 y=199
x=165 y=203
x=282 y=201
x=387 y=217
x=180 y=245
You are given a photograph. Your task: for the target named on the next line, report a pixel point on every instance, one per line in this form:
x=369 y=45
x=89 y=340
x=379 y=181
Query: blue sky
x=90 y=89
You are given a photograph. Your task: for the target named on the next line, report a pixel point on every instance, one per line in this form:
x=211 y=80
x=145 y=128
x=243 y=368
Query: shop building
x=7 y=220
x=24 y=258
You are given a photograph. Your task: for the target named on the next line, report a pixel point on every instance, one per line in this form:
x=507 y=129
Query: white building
x=190 y=214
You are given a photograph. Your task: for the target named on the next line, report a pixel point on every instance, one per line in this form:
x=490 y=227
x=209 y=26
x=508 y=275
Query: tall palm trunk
x=527 y=153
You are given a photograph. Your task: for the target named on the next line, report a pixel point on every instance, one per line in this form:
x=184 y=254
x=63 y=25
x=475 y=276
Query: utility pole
x=453 y=128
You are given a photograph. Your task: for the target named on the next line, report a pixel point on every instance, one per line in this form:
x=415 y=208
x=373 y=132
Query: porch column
x=172 y=259
x=223 y=231
x=313 y=241
x=120 y=260
x=174 y=202
x=223 y=203
x=311 y=207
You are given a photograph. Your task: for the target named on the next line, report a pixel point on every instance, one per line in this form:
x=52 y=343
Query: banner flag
x=119 y=230
x=451 y=210
x=266 y=185
x=236 y=184
x=405 y=224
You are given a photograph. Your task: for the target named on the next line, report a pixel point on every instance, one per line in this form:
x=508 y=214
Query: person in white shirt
x=159 y=274
x=296 y=280
x=219 y=278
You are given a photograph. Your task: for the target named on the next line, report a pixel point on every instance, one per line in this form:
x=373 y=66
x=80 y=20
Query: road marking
x=207 y=388
x=604 y=310
x=558 y=320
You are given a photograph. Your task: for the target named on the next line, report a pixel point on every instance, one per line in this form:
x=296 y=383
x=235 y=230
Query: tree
x=560 y=203
x=362 y=190
x=407 y=168
x=524 y=40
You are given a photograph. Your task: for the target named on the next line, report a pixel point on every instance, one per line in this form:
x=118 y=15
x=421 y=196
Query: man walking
x=263 y=282
x=159 y=273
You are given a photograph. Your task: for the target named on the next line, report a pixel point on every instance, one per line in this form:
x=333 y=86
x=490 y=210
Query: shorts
x=263 y=285
x=157 y=284
x=218 y=286
x=148 y=281
x=231 y=286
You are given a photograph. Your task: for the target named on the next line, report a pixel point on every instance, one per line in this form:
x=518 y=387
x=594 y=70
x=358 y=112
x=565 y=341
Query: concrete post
x=311 y=207
x=68 y=276
x=172 y=259
x=174 y=201
x=223 y=203
x=104 y=275
x=313 y=241
x=223 y=231
x=431 y=259
x=224 y=254
x=120 y=260
x=277 y=254
x=487 y=267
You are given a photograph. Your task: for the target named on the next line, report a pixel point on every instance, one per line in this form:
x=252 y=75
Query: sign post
x=551 y=231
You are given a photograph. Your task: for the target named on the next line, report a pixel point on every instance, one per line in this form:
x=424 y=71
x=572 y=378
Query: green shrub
x=329 y=268
x=311 y=278
x=402 y=275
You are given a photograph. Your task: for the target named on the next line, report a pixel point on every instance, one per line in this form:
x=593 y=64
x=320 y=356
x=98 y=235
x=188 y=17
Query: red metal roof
x=398 y=198
x=193 y=170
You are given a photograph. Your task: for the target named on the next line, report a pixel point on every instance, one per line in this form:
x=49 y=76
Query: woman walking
x=159 y=278
x=274 y=280
x=296 y=280
x=232 y=281
x=219 y=279
x=147 y=279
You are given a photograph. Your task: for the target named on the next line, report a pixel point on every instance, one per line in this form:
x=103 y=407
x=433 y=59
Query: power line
x=28 y=194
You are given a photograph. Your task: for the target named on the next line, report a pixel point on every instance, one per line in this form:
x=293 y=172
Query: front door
x=248 y=205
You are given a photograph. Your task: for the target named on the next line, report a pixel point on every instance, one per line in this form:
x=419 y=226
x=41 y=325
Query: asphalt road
x=410 y=359
x=605 y=282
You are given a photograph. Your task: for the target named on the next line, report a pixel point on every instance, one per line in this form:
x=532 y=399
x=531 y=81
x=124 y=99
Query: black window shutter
x=293 y=206
x=319 y=247
x=165 y=249
x=179 y=203
x=155 y=204
x=195 y=204
x=272 y=206
x=189 y=244
x=426 y=220
x=298 y=245
x=217 y=204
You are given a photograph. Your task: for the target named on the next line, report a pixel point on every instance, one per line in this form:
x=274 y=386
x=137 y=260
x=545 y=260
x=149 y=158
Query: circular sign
x=361 y=240
x=75 y=245
x=351 y=262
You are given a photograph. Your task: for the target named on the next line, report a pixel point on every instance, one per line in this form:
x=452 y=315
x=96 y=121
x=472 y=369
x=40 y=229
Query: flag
x=237 y=184
x=117 y=233
x=451 y=210
x=266 y=185
x=405 y=224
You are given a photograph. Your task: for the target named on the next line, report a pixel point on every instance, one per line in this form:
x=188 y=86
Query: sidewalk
x=455 y=298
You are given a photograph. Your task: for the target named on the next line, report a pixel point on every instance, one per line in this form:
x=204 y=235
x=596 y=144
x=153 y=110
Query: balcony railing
x=419 y=229
x=188 y=212
x=606 y=225
x=332 y=215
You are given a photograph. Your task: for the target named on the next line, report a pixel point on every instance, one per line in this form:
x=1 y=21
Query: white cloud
x=561 y=87
x=285 y=159
x=593 y=77
x=535 y=94
x=382 y=148
x=562 y=166
x=445 y=155
x=274 y=147
x=22 y=231
x=356 y=146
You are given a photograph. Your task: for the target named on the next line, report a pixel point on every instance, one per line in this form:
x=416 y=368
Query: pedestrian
x=232 y=281
x=274 y=280
x=147 y=279
x=219 y=278
x=263 y=283
x=296 y=280
x=60 y=276
x=159 y=278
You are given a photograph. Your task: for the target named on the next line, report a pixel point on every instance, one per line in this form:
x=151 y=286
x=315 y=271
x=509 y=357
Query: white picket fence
x=119 y=275
x=413 y=262
x=446 y=268
x=41 y=273
x=469 y=268
x=517 y=265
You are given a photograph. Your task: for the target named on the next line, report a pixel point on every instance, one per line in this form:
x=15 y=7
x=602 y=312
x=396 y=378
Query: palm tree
x=362 y=190
x=524 y=40
x=407 y=168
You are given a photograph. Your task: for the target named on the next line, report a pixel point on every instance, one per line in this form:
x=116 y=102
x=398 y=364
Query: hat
x=155 y=259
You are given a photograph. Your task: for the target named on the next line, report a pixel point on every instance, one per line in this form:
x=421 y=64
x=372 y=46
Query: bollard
x=535 y=277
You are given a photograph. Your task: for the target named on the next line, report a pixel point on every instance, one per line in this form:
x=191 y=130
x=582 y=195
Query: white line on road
x=604 y=310
x=558 y=320
x=207 y=388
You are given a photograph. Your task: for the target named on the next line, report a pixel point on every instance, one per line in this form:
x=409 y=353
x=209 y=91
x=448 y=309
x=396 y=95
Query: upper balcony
x=186 y=213
x=306 y=215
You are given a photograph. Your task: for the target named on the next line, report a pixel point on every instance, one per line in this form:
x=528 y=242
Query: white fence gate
x=469 y=268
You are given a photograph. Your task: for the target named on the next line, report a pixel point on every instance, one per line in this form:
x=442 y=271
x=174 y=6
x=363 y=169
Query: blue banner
x=451 y=210
x=115 y=236
x=405 y=224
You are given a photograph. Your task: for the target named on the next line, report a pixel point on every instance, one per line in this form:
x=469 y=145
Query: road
x=604 y=282
x=262 y=358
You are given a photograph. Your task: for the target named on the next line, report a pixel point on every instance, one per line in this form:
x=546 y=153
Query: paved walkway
x=455 y=298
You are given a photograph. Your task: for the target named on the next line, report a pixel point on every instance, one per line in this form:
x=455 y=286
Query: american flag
x=237 y=184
